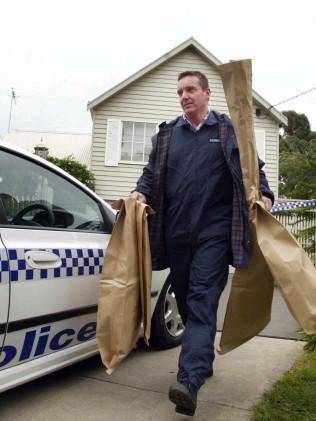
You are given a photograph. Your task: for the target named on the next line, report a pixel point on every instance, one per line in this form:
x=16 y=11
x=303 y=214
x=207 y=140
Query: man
x=193 y=180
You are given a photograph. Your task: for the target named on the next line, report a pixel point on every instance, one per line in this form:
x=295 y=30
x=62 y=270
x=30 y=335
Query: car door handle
x=39 y=259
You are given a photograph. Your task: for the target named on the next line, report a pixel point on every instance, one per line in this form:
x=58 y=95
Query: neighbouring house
x=126 y=116
x=59 y=144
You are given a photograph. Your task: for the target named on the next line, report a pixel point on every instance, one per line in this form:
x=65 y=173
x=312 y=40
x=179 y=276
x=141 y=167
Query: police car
x=53 y=236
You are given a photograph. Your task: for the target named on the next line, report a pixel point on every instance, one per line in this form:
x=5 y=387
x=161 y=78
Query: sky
x=58 y=55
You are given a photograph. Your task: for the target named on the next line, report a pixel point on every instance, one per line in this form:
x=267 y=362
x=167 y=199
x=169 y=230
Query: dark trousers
x=199 y=272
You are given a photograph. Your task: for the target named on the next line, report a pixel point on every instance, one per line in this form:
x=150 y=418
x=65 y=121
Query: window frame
x=261 y=132
x=124 y=161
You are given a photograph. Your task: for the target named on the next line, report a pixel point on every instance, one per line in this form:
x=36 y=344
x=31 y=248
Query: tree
x=298 y=125
x=76 y=169
x=297 y=159
x=312 y=135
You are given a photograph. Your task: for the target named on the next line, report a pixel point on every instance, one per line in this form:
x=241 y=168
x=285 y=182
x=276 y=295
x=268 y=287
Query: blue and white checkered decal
x=74 y=263
x=277 y=207
x=4 y=267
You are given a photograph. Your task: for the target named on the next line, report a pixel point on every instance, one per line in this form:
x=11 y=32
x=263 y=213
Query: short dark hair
x=201 y=76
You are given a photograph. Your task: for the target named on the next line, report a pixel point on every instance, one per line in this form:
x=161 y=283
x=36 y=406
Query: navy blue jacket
x=152 y=185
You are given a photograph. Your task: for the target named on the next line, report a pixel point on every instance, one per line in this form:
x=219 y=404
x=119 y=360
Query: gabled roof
x=189 y=43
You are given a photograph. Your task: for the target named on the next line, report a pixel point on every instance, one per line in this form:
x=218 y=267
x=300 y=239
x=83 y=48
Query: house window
x=136 y=140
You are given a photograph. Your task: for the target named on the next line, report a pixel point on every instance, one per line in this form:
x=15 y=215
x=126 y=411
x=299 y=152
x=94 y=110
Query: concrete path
x=137 y=390
x=282 y=325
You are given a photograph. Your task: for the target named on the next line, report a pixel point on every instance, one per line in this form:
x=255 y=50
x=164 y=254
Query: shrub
x=310 y=341
x=76 y=169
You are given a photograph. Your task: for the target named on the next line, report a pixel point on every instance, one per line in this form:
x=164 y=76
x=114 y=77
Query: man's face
x=193 y=99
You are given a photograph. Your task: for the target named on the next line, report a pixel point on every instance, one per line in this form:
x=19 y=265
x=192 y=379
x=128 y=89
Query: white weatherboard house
x=126 y=116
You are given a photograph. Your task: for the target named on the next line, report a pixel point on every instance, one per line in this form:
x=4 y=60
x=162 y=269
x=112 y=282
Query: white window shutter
x=113 y=142
x=260 y=136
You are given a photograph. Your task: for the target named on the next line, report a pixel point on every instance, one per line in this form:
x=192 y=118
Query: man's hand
x=138 y=196
x=267 y=203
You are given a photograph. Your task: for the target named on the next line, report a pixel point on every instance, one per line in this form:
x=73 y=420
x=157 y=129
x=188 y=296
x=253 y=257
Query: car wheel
x=167 y=328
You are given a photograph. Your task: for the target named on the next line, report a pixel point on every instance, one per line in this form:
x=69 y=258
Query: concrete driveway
x=138 y=389
x=282 y=324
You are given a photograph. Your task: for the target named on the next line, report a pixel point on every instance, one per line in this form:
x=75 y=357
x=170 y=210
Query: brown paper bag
x=125 y=286
x=276 y=256
x=250 y=301
x=290 y=267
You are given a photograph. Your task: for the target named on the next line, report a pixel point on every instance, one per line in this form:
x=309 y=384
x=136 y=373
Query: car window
x=34 y=196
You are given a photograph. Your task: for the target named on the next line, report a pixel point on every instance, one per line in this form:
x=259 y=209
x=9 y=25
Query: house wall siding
x=152 y=98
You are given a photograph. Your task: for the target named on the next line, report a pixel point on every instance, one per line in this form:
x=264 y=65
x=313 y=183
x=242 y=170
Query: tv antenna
x=13 y=100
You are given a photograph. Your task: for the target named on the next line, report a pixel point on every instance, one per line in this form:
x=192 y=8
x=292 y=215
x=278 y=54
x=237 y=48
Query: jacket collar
x=210 y=119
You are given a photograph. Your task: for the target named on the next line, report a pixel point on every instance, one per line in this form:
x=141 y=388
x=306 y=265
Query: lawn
x=293 y=397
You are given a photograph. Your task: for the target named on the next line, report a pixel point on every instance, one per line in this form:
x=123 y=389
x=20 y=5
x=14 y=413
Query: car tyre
x=167 y=329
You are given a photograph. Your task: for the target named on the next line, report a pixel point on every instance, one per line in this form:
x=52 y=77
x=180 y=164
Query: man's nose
x=184 y=95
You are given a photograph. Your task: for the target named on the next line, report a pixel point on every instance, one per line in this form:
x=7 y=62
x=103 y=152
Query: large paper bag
x=249 y=305
x=290 y=267
x=125 y=286
x=275 y=255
